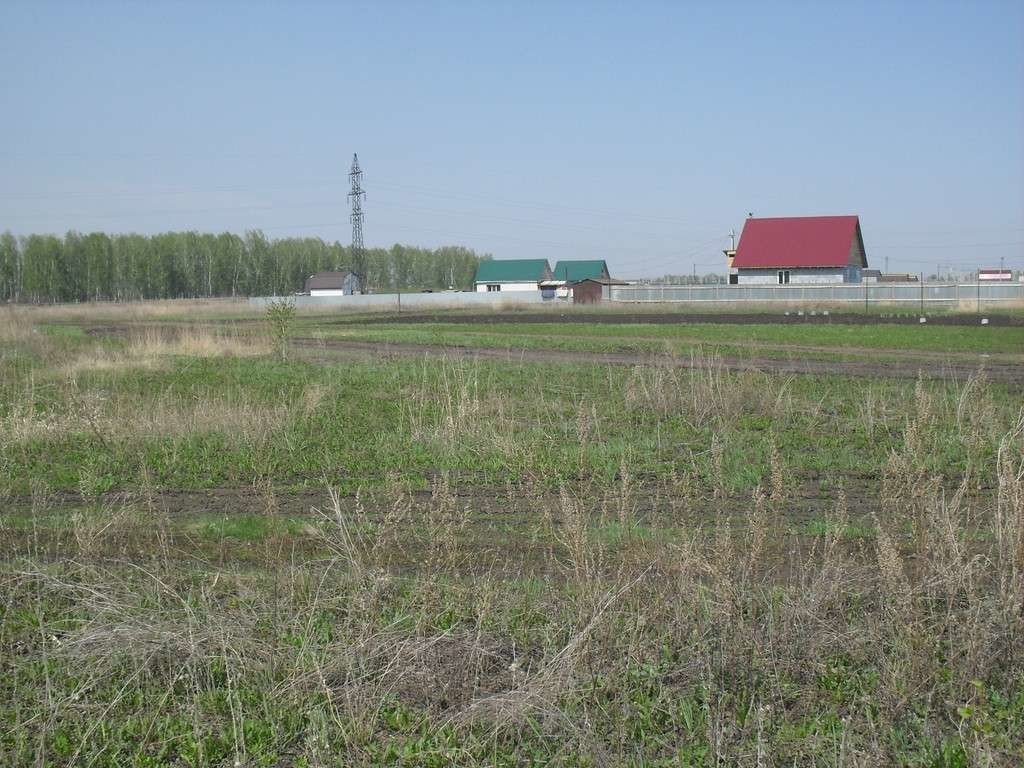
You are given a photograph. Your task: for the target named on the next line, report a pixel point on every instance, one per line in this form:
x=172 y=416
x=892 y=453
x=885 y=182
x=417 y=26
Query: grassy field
x=216 y=556
x=820 y=341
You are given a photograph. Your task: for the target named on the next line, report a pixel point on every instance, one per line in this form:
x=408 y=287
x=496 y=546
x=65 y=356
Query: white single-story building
x=332 y=284
x=511 y=275
x=799 y=250
x=995 y=275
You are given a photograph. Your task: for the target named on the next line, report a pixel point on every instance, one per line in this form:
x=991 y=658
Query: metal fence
x=962 y=295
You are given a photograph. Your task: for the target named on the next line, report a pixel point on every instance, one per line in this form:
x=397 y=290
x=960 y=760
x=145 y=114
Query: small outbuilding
x=569 y=272
x=332 y=284
x=799 y=249
x=592 y=290
x=511 y=275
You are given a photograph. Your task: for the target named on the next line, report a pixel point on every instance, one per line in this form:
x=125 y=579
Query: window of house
x=783 y=277
x=493 y=287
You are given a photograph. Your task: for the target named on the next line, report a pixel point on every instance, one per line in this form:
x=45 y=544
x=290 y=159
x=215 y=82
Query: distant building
x=511 y=275
x=332 y=284
x=799 y=250
x=996 y=275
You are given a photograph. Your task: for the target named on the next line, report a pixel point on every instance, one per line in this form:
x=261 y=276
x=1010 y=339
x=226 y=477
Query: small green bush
x=281 y=320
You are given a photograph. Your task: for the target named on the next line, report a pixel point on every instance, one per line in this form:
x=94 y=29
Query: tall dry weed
x=16 y=327
x=459 y=410
x=1009 y=515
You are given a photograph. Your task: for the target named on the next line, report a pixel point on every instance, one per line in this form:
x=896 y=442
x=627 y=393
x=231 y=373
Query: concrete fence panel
x=932 y=295
x=394 y=301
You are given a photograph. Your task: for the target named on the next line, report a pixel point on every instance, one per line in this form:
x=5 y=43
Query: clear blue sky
x=636 y=132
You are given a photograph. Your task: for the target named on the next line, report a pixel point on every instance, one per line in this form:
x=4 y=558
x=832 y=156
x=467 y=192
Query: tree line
x=99 y=266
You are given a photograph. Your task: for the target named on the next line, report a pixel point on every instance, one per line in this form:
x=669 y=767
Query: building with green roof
x=572 y=271
x=511 y=275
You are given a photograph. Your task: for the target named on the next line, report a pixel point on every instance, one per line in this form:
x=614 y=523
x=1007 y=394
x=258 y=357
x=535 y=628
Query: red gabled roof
x=799 y=241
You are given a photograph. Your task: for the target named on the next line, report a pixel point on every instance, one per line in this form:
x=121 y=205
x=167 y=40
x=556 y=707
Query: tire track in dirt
x=1009 y=374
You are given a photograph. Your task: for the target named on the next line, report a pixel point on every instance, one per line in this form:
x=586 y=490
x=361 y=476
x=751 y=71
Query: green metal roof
x=512 y=270
x=571 y=271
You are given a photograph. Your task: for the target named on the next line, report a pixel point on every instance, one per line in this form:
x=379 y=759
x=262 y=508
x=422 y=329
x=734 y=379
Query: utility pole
x=694 y=274
x=887 y=265
x=922 y=294
x=356 y=197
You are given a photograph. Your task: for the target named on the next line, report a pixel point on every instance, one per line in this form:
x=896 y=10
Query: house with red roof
x=799 y=250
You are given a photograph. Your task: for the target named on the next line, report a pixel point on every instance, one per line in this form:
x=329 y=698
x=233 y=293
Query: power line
x=560 y=226
x=169 y=192
x=538 y=205
x=925 y=246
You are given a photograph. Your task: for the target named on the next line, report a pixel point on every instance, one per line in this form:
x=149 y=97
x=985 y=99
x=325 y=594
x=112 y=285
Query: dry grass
x=702 y=392
x=196 y=341
x=153 y=347
x=135 y=311
x=15 y=326
x=757 y=640
x=460 y=410
x=118 y=417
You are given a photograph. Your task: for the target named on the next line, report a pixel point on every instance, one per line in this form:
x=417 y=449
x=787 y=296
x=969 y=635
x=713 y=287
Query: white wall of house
x=505 y=287
x=805 y=276
x=328 y=292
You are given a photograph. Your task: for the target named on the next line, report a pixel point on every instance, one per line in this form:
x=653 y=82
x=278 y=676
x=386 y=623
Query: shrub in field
x=281 y=320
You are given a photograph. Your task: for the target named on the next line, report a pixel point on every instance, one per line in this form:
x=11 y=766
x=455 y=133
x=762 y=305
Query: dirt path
x=876 y=354
x=1005 y=373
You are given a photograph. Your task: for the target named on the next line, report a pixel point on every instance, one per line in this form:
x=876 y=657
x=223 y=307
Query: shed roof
x=572 y=270
x=602 y=281
x=325 y=281
x=512 y=270
x=798 y=241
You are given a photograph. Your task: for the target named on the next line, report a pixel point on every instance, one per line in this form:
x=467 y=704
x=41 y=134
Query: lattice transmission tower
x=356 y=197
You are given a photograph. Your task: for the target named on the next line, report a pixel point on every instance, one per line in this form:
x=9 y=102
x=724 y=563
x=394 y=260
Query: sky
x=641 y=133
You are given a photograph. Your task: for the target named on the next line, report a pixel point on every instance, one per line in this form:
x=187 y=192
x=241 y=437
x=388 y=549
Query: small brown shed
x=592 y=290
